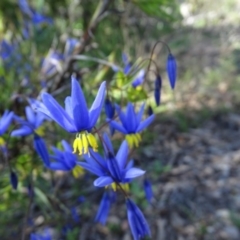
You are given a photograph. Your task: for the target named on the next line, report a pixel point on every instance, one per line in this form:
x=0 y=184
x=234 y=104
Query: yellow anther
x=92 y=141
x=75 y=145
x=77 y=171
x=125 y=187
x=40 y=131
x=139 y=137
x=85 y=143
x=114 y=186
x=2 y=142
x=133 y=139
x=80 y=145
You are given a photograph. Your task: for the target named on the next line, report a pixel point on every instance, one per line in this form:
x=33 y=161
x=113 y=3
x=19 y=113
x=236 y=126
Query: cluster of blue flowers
x=114 y=170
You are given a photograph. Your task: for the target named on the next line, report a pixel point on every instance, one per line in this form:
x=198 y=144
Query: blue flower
x=14 y=180
x=139 y=78
x=131 y=124
x=65 y=160
x=46 y=235
x=172 y=70
x=76 y=118
x=104 y=207
x=111 y=170
x=31 y=125
x=148 y=190
x=138 y=224
x=157 y=90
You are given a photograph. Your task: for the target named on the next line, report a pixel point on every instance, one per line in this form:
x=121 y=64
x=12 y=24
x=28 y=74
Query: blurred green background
x=204 y=38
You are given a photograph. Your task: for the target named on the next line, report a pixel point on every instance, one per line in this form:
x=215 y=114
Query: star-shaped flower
x=131 y=123
x=76 y=118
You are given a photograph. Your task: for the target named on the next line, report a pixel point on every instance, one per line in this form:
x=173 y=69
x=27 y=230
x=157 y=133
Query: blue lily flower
x=157 y=90
x=172 y=70
x=148 y=190
x=76 y=118
x=131 y=124
x=111 y=170
x=14 y=180
x=65 y=160
x=138 y=224
x=31 y=125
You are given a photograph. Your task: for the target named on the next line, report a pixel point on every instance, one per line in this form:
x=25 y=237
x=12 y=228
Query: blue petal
x=113 y=168
x=57 y=113
x=66 y=146
x=122 y=116
x=79 y=106
x=134 y=172
x=139 y=78
x=41 y=149
x=131 y=118
x=172 y=70
x=96 y=160
x=40 y=117
x=96 y=108
x=103 y=209
x=145 y=123
x=129 y=165
x=103 y=181
x=148 y=190
x=117 y=126
x=91 y=169
x=122 y=155
x=68 y=106
x=14 y=180
x=24 y=131
x=107 y=143
x=58 y=166
x=140 y=114
x=5 y=121
x=30 y=115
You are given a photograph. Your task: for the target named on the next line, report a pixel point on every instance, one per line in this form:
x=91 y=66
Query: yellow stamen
x=133 y=139
x=92 y=142
x=83 y=141
x=124 y=186
x=77 y=171
x=2 y=142
x=114 y=186
x=40 y=131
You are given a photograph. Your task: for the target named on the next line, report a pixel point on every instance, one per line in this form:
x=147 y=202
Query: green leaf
x=136 y=94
